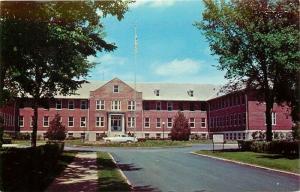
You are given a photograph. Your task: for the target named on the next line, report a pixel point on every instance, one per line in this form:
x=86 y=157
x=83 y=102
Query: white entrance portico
x=116 y=124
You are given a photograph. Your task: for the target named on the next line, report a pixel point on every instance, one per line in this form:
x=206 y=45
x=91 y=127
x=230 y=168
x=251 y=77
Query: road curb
x=121 y=172
x=247 y=164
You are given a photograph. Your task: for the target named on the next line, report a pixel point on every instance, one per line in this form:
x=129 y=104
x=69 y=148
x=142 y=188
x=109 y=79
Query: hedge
x=27 y=169
x=275 y=147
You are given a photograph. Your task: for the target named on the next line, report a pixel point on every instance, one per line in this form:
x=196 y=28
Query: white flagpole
x=135 y=56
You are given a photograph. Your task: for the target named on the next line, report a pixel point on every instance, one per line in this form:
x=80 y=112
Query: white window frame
x=131 y=105
x=31 y=121
x=83 y=122
x=147 y=122
x=158 y=122
x=190 y=122
x=203 y=122
x=273 y=116
x=21 y=119
x=168 y=122
x=58 y=102
x=100 y=104
x=85 y=104
x=116 y=105
x=170 y=106
x=116 y=89
x=158 y=104
x=46 y=120
x=71 y=121
x=131 y=122
x=69 y=103
x=99 y=121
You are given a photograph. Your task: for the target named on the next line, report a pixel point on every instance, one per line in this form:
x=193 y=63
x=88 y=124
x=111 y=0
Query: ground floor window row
x=235 y=136
x=169 y=123
x=8 y=120
x=235 y=119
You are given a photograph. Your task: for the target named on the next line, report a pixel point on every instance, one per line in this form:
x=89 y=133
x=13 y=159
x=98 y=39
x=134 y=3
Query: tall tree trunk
x=35 y=123
x=269 y=99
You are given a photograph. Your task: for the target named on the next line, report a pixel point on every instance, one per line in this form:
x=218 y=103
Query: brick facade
x=114 y=107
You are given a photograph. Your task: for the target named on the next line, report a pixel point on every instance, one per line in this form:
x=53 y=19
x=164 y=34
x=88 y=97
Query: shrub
x=296 y=131
x=255 y=135
x=181 y=129
x=275 y=147
x=22 y=136
x=6 y=138
x=56 y=130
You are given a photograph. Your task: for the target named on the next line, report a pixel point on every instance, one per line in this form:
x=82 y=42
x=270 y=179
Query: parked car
x=120 y=139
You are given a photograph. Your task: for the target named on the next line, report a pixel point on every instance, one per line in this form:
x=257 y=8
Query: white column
x=109 y=125
x=123 y=123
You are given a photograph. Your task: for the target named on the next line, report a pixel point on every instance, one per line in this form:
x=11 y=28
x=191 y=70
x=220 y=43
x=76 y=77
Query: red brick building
x=148 y=110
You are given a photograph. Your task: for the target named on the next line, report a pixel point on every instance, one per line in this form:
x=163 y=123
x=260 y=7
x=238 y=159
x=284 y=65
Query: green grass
x=147 y=143
x=275 y=161
x=109 y=178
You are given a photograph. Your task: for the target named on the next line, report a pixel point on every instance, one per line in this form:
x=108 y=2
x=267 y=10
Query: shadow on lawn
x=278 y=156
x=146 y=188
x=128 y=167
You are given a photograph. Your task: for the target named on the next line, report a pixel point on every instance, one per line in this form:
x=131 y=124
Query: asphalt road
x=175 y=169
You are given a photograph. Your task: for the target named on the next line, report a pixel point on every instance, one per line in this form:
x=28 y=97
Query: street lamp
x=163 y=124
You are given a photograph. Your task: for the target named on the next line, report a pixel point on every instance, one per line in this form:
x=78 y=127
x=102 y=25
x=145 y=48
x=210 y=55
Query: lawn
x=291 y=164
x=109 y=178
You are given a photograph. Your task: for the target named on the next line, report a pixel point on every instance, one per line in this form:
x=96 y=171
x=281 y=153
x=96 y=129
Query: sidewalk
x=80 y=175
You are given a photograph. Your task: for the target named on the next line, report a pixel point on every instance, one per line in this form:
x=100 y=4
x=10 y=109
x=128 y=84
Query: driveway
x=175 y=169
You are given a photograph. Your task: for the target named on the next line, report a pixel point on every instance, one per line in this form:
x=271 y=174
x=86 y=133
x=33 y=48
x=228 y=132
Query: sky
x=170 y=48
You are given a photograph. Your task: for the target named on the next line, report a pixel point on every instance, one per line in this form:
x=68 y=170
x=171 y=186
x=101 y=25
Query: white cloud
x=178 y=67
x=153 y=3
x=107 y=59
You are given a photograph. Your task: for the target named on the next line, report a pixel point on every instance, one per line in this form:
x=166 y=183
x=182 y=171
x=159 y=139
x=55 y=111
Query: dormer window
x=190 y=93
x=116 y=88
x=156 y=92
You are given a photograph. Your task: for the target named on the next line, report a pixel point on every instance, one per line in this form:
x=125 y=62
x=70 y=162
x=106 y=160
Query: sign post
x=218 y=138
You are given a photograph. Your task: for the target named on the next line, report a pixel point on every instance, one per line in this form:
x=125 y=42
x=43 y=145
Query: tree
x=56 y=130
x=181 y=129
x=45 y=46
x=257 y=44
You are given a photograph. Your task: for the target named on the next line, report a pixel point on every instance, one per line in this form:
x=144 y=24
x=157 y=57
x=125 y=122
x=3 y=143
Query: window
x=58 y=104
x=203 y=122
x=82 y=121
x=147 y=135
x=192 y=122
x=170 y=123
x=131 y=122
x=243 y=99
x=82 y=135
x=244 y=119
x=192 y=106
x=70 y=134
x=46 y=121
x=147 y=122
x=273 y=118
x=71 y=104
x=116 y=105
x=158 y=135
x=235 y=119
x=146 y=106
x=181 y=106
x=156 y=92
x=31 y=121
x=131 y=105
x=240 y=118
x=100 y=104
x=99 y=121
x=71 y=121
x=170 y=106
x=21 y=121
x=116 y=88
x=158 y=124
x=158 y=105
x=83 y=104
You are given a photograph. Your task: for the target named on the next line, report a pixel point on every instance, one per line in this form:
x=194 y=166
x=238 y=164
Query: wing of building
x=147 y=110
